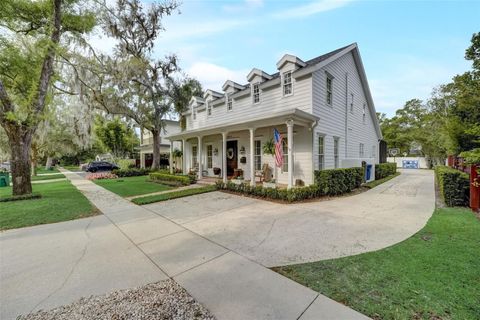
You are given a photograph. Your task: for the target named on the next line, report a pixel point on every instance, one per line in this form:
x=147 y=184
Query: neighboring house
x=322 y=107
x=146 y=144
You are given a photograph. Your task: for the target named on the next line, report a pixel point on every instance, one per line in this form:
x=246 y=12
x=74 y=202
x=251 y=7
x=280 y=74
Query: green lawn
x=131 y=186
x=173 y=195
x=60 y=201
x=48 y=177
x=42 y=170
x=435 y=274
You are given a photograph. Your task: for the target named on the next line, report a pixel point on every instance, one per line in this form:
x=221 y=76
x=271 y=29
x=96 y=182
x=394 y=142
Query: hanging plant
x=269 y=147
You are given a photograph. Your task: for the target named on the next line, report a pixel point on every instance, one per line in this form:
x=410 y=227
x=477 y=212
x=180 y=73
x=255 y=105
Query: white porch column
x=224 y=156
x=252 y=157
x=142 y=160
x=290 y=153
x=199 y=157
x=184 y=160
x=170 y=161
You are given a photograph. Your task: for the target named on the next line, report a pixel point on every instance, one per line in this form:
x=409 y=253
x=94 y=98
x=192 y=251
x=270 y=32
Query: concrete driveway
x=277 y=234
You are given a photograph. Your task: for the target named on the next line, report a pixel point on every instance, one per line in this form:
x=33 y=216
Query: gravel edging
x=160 y=300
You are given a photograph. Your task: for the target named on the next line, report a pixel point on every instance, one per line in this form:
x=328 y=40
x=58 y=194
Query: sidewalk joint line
x=201 y=264
x=301 y=314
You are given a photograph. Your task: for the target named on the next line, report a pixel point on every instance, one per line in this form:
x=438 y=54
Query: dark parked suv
x=95 y=166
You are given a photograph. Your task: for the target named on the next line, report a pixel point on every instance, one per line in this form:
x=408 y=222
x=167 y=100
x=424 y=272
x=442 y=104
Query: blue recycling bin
x=368 y=172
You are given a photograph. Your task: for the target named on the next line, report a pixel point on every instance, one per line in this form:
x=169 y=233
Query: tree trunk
x=48 y=165
x=20 y=144
x=156 y=149
x=34 y=158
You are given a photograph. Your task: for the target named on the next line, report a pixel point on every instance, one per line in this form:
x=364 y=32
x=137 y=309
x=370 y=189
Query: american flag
x=278 y=148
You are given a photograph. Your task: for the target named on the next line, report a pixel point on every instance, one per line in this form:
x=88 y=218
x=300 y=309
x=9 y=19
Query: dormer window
x=256 y=92
x=329 y=93
x=209 y=109
x=229 y=103
x=287 y=83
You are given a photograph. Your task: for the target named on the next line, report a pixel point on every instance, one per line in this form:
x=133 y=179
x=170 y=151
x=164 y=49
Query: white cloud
x=213 y=76
x=247 y=5
x=310 y=9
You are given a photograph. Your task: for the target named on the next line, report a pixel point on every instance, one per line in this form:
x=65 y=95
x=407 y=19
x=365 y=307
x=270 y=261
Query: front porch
x=237 y=149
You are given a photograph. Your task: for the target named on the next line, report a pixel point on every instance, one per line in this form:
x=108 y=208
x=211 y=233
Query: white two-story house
x=322 y=107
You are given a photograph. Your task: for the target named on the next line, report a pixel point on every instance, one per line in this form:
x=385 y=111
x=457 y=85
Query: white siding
x=332 y=118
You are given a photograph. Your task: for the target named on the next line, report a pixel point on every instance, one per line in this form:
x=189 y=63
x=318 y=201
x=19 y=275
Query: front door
x=231 y=157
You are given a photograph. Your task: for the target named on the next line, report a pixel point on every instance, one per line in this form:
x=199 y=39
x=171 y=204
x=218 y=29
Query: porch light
x=242 y=150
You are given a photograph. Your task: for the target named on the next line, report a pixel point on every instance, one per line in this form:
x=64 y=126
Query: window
x=374 y=152
x=194 y=157
x=321 y=152
x=361 y=151
x=209 y=109
x=351 y=102
x=285 y=155
x=229 y=103
x=335 y=152
x=364 y=116
x=194 y=114
x=258 y=155
x=256 y=93
x=287 y=83
x=209 y=156
x=329 y=90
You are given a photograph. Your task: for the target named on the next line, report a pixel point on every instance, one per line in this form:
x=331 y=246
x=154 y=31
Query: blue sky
x=408 y=47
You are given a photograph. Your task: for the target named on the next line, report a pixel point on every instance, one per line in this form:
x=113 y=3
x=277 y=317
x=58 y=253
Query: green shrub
x=454 y=186
x=383 y=170
x=124 y=164
x=169 y=179
x=338 y=181
x=132 y=172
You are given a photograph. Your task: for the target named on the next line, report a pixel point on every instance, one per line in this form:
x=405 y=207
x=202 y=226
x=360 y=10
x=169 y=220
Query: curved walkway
x=277 y=234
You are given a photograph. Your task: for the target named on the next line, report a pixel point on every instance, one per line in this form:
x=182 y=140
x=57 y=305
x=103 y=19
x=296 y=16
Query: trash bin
x=368 y=172
x=4 y=179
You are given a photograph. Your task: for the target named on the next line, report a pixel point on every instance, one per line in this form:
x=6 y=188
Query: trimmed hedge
x=170 y=179
x=21 y=197
x=291 y=195
x=131 y=172
x=454 y=186
x=383 y=170
x=338 y=181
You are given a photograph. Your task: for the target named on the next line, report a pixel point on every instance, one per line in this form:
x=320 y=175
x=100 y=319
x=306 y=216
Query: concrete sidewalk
x=228 y=284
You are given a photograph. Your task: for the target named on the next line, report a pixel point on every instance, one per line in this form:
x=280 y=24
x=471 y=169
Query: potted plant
x=269 y=148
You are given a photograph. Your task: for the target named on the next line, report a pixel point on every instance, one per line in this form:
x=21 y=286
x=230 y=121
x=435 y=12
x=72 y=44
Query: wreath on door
x=230 y=154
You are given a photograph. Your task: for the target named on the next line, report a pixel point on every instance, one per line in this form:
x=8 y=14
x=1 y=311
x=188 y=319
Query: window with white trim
x=258 y=155
x=374 y=152
x=256 y=92
x=229 y=103
x=351 y=102
x=321 y=152
x=209 y=156
x=285 y=155
x=209 y=109
x=361 y=151
x=194 y=157
x=329 y=87
x=364 y=116
x=336 y=143
x=287 y=83
x=194 y=114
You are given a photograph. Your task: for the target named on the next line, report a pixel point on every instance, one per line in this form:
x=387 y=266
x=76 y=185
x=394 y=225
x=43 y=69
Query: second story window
x=256 y=93
x=287 y=83
x=229 y=103
x=194 y=114
x=209 y=109
x=329 y=90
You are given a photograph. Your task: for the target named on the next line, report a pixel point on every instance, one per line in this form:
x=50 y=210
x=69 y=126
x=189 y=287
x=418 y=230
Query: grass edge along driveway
x=131 y=186
x=435 y=274
x=60 y=201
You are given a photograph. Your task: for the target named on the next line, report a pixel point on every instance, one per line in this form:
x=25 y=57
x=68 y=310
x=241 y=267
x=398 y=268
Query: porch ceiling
x=299 y=117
